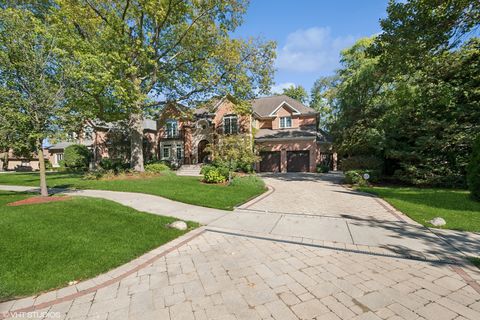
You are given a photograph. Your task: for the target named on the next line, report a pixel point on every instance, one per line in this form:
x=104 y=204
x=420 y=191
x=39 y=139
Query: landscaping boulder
x=438 y=222
x=180 y=225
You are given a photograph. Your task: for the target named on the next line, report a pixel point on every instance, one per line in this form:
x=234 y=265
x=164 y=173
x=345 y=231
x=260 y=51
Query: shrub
x=207 y=168
x=116 y=165
x=473 y=171
x=361 y=163
x=322 y=168
x=76 y=157
x=214 y=176
x=92 y=175
x=156 y=167
x=221 y=169
x=356 y=176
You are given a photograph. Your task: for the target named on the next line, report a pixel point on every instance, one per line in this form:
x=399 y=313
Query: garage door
x=270 y=161
x=298 y=161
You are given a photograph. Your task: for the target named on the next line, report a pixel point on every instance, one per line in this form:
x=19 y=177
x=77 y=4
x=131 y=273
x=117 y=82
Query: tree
x=296 y=92
x=415 y=31
x=410 y=97
x=232 y=152
x=323 y=100
x=136 y=56
x=33 y=82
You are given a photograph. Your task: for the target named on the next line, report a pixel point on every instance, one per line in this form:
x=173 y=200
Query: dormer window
x=230 y=124
x=172 y=128
x=285 y=122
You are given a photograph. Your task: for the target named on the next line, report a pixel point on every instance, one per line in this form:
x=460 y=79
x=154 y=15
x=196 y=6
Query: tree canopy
x=135 y=56
x=409 y=96
x=35 y=86
x=296 y=92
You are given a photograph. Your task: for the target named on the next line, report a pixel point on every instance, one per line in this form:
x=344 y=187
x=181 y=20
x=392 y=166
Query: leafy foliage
x=296 y=92
x=361 y=162
x=35 y=82
x=358 y=177
x=474 y=171
x=77 y=157
x=214 y=176
x=156 y=167
x=322 y=168
x=233 y=152
x=115 y=165
x=131 y=51
x=410 y=95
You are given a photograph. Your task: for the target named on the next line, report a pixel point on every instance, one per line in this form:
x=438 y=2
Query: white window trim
x=163 y=152
x=285 y=127
x=174 y=132
x=233 y=116
x=295 y=111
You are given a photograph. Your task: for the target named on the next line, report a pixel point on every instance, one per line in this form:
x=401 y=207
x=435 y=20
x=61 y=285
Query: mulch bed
x=37 y=200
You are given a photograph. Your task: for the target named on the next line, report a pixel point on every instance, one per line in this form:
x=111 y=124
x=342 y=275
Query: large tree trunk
x=41 y=166
x=136 y=142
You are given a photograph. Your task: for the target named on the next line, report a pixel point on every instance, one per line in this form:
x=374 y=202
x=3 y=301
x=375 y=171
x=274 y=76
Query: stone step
x=189 y=170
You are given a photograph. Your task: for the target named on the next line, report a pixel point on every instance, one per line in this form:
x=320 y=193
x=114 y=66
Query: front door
x=202 y=153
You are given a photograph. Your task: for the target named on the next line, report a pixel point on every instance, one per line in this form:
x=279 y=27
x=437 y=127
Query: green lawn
x=44 y=246
x=455 y=206
x=184 y=189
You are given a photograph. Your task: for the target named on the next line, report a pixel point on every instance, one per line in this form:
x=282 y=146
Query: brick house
x=284 y=131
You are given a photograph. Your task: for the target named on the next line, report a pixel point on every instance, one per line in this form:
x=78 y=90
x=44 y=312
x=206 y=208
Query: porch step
x=189 y=170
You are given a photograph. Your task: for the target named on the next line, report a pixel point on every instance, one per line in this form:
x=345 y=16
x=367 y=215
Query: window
x=285 y=122
x=202 y=124
x=59 y=157
x=172 y=128
x=179 y=152
x=88 y=132
x=166 y=152
x=230 y=124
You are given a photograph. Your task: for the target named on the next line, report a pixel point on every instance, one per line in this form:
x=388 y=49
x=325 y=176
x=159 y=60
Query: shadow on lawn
x=457 y=200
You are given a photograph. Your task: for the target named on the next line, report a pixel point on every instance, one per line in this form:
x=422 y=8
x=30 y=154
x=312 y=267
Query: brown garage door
x=270 y=161
x=298 y=161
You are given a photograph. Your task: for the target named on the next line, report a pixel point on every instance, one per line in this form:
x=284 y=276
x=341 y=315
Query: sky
x=310 y=33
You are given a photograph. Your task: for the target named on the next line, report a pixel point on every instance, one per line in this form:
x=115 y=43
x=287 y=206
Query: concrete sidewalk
x=142 y=202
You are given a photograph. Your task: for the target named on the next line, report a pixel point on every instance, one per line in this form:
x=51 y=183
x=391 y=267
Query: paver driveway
x=256 y=265
x=220 y=276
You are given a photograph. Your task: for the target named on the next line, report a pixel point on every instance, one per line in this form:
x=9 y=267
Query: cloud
x=312 y=50
x=278 y=88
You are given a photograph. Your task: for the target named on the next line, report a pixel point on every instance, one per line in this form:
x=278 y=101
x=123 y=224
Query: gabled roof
x=212 y=105
x=268 y=106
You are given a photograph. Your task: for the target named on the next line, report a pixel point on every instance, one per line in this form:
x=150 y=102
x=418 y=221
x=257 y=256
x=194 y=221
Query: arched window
x=172 y=128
